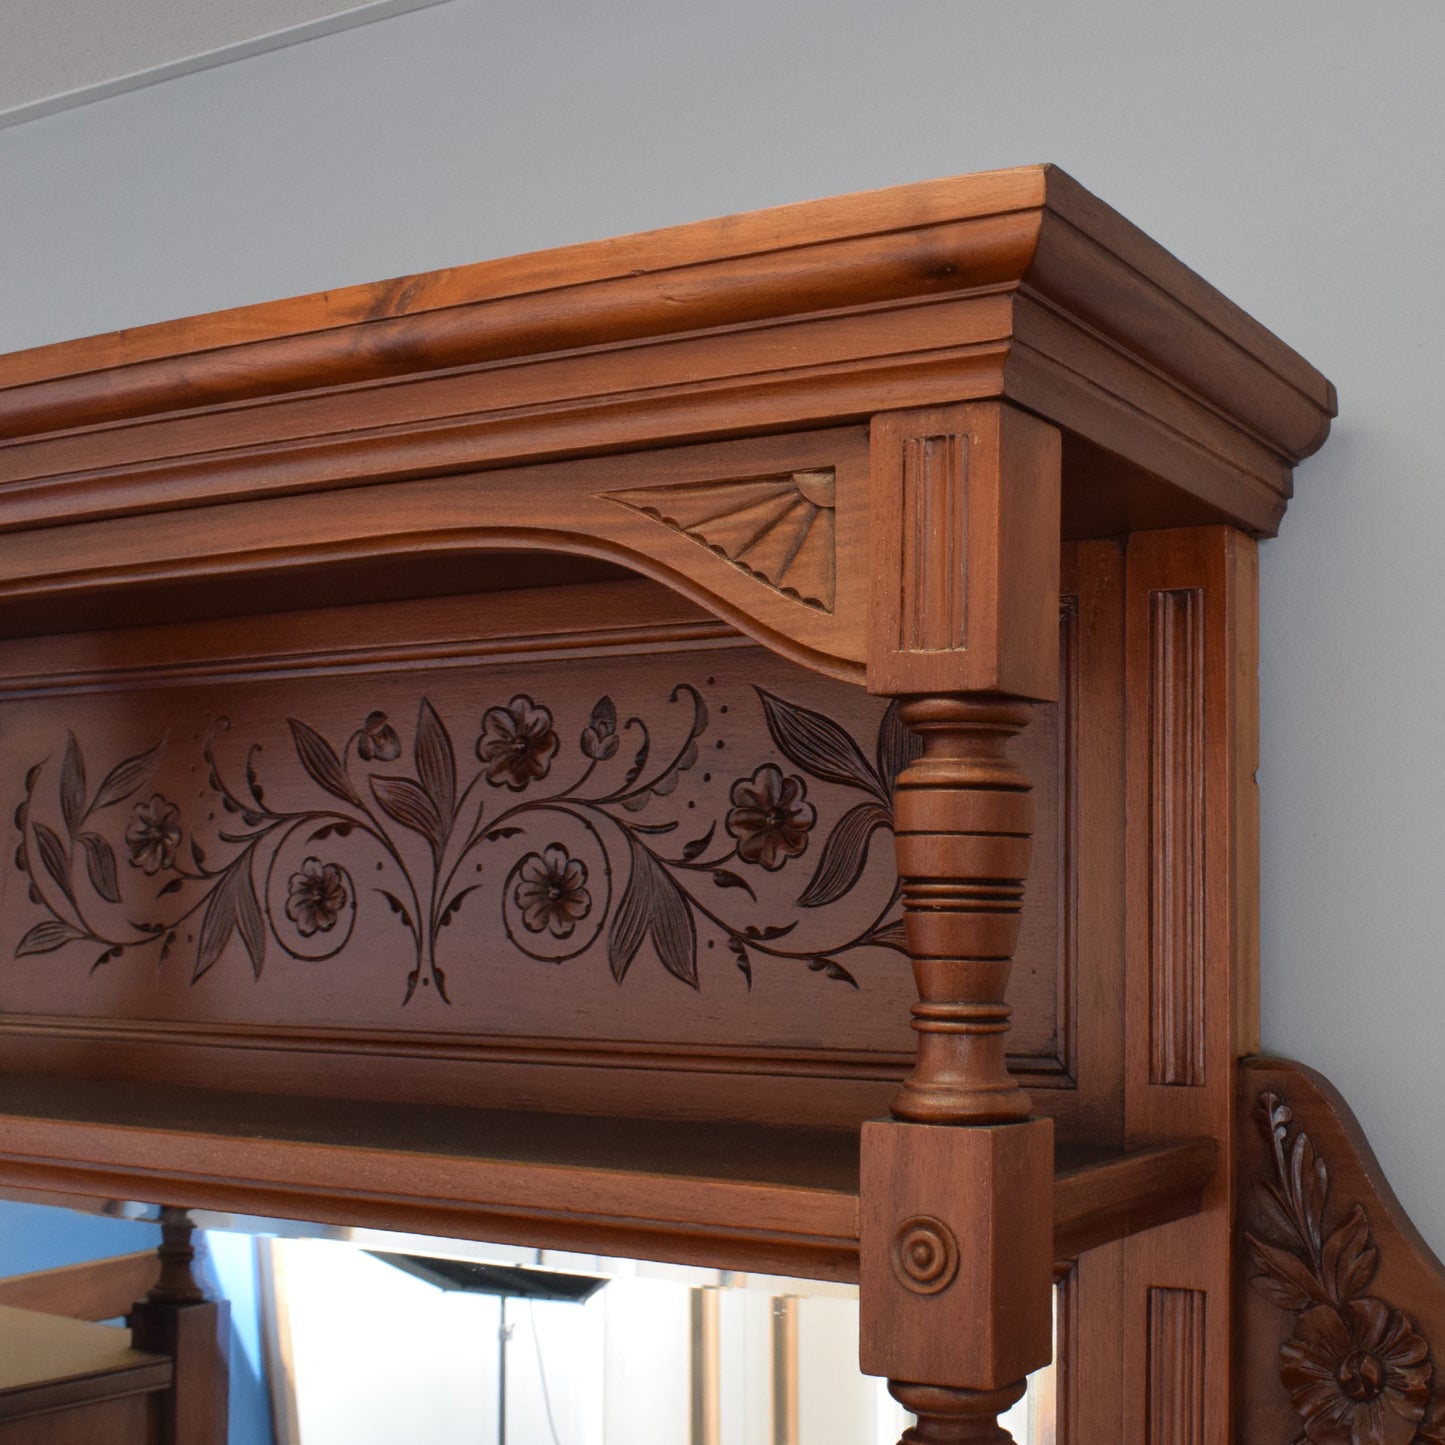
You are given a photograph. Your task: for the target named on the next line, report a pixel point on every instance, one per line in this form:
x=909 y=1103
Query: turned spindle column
x=176 y=1283
x=956 y=1239
x=955 y=1417
x=964 y=826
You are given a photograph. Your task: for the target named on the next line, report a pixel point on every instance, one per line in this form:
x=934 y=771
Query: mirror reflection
x=357 y=1337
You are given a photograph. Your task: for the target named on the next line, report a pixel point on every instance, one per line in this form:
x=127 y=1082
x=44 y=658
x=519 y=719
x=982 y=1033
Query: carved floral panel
x=1357 y=1370
x=691 y=848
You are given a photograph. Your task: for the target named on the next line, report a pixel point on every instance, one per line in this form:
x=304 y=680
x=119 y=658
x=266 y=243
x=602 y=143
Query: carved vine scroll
x=576 y=819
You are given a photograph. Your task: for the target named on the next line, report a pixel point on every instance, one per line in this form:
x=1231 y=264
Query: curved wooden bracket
x=1341 y=1303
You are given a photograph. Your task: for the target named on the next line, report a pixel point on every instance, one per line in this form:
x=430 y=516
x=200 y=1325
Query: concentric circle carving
x=925 y=1254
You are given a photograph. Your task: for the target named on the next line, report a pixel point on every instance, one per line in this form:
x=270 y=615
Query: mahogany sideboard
x=486 y=748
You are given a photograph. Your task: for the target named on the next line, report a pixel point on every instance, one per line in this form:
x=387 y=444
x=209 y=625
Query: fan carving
x=778 y=529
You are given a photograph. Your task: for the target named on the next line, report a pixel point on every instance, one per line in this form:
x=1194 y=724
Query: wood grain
x=651 y=1045
x=1176 y=837
x=955 y=1252
x=281 y=581
x=965 y=553
x=608 y=324
x=1345 y=1333
x=102 y=1289
x=1176 y=1366
x=1219 y=951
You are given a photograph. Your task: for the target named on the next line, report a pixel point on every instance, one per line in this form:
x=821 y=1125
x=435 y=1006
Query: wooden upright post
x=957 y=1188
x=176 y=1319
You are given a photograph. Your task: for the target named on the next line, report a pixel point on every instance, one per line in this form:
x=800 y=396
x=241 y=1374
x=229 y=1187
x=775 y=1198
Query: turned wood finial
x=177 y=1283
x=955 y=1417
x=964 y=832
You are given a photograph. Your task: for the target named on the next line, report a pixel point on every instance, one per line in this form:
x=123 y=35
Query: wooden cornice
x=1015 y=284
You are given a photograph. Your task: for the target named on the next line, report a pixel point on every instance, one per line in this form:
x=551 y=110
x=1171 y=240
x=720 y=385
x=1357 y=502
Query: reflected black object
x=509 y=1281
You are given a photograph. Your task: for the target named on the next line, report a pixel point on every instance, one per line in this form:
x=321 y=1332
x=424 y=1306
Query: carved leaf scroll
x=591 y=802
x=778 y=529
x=1357 y=1370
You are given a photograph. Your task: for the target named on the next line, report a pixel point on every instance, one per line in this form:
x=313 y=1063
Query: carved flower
x=1359 y=1375
x=551 y=892
x=154 y=834
x=377 y=740
x=317 y=894
x=599 y=737
x=770 y=817
x=517 y=743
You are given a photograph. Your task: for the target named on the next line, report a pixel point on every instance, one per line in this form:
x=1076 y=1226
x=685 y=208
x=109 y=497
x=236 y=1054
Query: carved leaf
x=845 y=855
x=667 y=780
x=741 y=958
x=698 y=846
x=53 y=856
x=831 y=968
x=455 y=905
x=72 y=784
x=818 y=745
x=888 y=935
x=1285 y=1280
x=127 y=777
x=436 y=764
x=1349 y=1260
x=46 y=937
x=100 y=864
x=629 y=922
x=726 y=878
x=1309 y=1181
x=218 y=922
x=898 y=745
x=400 y=909
x=319 y=759
x=1272 y=1206
x=406 y=801
x=652 y=903
x=673 y=933
x=249 y=922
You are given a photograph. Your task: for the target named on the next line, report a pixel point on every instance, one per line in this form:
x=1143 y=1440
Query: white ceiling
x=59 y=53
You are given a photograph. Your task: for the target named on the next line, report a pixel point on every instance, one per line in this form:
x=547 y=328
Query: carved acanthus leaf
x=778 y=529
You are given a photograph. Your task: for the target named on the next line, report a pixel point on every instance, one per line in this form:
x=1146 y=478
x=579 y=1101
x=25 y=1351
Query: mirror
x=359 y=1337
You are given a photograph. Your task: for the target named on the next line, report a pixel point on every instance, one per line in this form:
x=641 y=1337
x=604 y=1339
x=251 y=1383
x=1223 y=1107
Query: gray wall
x=1288 y=151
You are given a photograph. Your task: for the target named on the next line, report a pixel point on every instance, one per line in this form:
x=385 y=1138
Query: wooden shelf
x=48 y=1364
x=740 y=1196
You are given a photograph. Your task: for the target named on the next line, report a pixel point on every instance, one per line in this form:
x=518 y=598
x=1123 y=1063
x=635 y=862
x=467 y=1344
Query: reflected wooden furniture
x=454 y=728
x=66 y=1378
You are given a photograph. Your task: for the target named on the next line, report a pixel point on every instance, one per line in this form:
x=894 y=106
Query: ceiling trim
x=222 y=55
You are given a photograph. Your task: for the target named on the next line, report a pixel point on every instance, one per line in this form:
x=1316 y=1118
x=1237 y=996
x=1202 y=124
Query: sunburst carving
x=778 y=529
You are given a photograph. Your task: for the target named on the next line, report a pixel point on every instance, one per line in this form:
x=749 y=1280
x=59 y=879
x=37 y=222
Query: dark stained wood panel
x=400 y=851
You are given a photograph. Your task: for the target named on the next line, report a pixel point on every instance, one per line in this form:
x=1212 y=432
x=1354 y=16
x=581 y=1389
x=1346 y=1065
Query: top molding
x=1174 y=407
